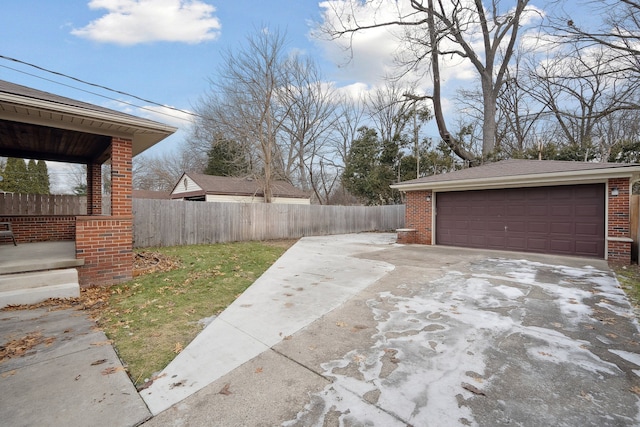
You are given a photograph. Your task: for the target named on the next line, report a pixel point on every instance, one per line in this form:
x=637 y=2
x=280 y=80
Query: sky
x=166 y=50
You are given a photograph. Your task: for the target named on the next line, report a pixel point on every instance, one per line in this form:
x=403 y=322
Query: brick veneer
x=618 y=222
x=418 y=215
x=94 y=189
x=38 y=228
x=106 y=242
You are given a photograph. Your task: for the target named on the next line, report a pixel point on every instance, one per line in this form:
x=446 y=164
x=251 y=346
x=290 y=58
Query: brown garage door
x=567 y=220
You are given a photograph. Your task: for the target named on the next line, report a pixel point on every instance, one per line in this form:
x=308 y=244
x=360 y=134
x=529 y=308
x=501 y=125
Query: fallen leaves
x=98 y=362
x=146 y=262
x=177 y=348
x=473 y=389
x=20 y=346
x=112 y=370
x=226 y=389
x=91 y=298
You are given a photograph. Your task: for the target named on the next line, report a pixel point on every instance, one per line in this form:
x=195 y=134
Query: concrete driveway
x=441 y=337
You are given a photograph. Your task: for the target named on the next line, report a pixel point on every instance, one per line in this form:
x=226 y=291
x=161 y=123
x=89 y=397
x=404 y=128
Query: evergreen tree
x=44 y=185
x=226 y=158
x=32 y=178
x=370 y=169
x=15 y=176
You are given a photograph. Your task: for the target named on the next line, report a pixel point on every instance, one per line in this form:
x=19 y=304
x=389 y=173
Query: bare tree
x=435 y=30
x=580 y=88
x=161 y=172
x=243 y=103
x=309 y=118
x=619 y=30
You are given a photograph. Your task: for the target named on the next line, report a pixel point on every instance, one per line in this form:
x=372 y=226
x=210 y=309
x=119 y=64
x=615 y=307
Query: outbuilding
x=227 y=189
x=553 y=207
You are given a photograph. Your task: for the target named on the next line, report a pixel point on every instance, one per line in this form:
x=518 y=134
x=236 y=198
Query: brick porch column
x=106 y=242
x=121 y=181
x=94 y=189
x=619 y=221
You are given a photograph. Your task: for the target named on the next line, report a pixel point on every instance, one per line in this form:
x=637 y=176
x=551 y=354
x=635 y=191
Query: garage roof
x=522 y=173
x=40 y=125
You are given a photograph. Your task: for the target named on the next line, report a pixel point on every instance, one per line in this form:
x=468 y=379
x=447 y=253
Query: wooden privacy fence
x=42 y=204
x=171 y=223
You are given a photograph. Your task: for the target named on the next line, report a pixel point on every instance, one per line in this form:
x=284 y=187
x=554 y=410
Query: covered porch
x=43 y=126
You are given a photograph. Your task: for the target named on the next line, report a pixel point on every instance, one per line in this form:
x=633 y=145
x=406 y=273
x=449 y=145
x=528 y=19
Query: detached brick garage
x=565 y=208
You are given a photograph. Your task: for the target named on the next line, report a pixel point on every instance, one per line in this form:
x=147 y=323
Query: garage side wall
x=418 y=215
x=618 y=221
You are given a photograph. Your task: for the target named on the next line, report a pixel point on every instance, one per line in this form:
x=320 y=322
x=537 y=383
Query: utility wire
x=95 y=85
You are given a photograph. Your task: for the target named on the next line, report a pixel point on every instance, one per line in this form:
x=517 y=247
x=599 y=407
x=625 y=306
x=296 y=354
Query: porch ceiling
x=41 y=125
x=29 y=141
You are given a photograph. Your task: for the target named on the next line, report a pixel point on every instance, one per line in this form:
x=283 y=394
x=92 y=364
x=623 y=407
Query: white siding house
x=209 y=188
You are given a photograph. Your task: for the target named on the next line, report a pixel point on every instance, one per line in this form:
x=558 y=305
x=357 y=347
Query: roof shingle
x=517 y=167
x=244 y=186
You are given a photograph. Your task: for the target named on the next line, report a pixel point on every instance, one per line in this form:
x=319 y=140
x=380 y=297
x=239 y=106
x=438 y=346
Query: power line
x=95 y=85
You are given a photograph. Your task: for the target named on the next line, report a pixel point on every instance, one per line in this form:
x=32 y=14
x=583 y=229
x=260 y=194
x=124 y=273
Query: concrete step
x=35 y=287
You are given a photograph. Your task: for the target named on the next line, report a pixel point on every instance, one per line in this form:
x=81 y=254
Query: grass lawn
x=153 y=317
x=629 y=278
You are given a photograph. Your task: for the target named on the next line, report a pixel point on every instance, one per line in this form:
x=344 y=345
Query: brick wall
x=418 y=215
x=94 y=189
x=618 y=222
x=121 y=198
x=29 y=229
x=105 y=244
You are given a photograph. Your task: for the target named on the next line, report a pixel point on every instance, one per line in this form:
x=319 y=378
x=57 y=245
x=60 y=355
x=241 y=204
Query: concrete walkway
x=72 y=378
x=307 y=282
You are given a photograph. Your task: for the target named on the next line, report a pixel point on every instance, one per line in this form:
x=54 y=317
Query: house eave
x=144 y=133
x=530 y=180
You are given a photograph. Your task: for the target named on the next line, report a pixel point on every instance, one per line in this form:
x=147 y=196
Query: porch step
x=34 y=287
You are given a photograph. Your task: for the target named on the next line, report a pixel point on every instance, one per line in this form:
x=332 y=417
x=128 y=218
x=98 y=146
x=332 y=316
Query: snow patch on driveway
x=433 y=349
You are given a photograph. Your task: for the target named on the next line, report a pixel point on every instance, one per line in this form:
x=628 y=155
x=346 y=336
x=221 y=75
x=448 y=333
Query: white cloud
x=129 y=22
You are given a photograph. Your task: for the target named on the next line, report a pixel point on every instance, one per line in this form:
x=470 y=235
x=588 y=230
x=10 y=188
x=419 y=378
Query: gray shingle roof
x=243 y=186
x=150 y=194
x=515 y=167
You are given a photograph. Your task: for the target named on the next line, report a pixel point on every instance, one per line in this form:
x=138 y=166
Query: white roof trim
x=531 y=180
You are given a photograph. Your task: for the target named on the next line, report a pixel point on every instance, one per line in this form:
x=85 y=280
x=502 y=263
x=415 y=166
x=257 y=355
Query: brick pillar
x=94 y=189
x=619 y=221
x=121 y=183
x=418 y=215
x=106 y=242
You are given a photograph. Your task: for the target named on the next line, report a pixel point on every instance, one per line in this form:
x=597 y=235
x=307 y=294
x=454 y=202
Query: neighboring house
x=565 y=208
x=209 y=188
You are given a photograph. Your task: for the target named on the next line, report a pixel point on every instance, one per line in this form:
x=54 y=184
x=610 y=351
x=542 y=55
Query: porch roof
x=40 y=125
